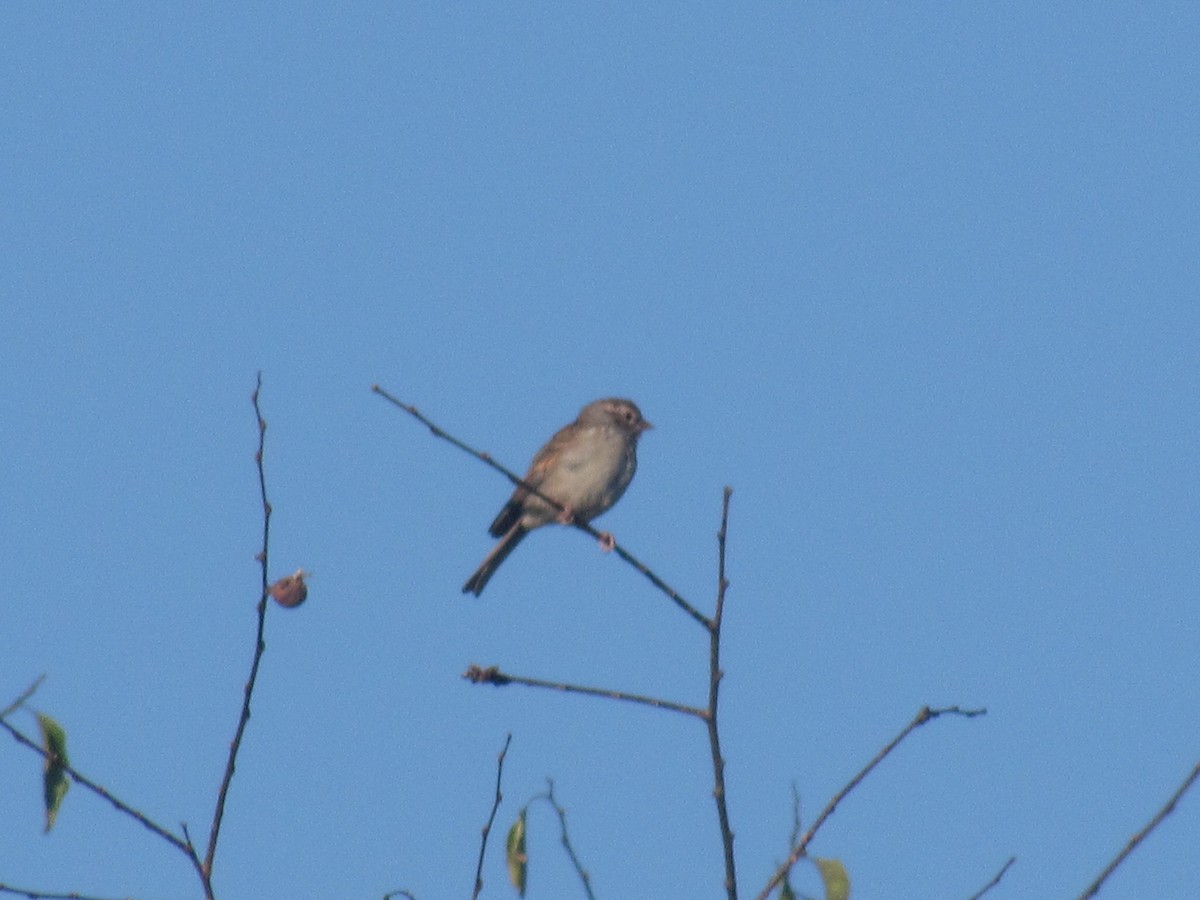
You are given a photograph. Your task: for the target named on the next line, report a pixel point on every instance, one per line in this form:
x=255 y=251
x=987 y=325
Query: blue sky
x=919 y=282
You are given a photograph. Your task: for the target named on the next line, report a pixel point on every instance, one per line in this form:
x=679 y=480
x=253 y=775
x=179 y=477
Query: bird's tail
x=507 y=544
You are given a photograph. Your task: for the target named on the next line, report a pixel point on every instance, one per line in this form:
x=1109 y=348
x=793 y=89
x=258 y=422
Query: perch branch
x=487 y=459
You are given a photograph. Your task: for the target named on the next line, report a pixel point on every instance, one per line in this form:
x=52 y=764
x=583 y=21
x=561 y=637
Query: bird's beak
x=645 y=426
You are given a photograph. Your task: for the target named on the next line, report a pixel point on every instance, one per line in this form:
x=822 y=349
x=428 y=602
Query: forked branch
x=924 y=715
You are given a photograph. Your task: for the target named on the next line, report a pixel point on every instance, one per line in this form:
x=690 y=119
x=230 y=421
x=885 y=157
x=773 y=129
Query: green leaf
x=54 y=779
x=837 y=882
x=786 y=892
x=515 y=854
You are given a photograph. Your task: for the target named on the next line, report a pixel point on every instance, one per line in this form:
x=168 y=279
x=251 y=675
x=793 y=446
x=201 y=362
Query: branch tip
x=485 y=675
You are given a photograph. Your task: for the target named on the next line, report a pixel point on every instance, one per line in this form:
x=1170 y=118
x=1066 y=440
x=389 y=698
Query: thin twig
x=487 y=829
x=43 y=895
x=795 y=836
x=25 y=695
x=191 y=846
x=924 y=715
x=259 y=647
x=1094 y=888
x=492 y=675
x=714 y=682
x=795 y=816
x=566 y=840
x=995 y=881
x=487 y=459
x=100 y=791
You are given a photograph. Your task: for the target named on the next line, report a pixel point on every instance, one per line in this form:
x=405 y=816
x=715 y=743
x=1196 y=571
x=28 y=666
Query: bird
x=585 y=467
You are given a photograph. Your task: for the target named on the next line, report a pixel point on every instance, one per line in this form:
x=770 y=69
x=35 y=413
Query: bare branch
x=925 y=714
x=25 y=695
x=487 y=829
x=185 y=845
x=259 y=647
x=995 y=881
x=100 y=791
x=566 y=840
x=1094 y=888
x=487 y=459
x=714 y=682
x=492 y=675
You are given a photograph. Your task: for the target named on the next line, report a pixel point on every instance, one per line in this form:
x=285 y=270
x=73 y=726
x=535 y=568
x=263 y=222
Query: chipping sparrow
x=586 y=467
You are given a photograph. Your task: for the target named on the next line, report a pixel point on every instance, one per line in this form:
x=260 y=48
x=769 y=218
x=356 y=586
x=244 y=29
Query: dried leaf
x=291 y=590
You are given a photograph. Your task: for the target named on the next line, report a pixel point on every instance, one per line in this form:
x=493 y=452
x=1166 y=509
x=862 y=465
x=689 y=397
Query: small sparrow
x=586 y=467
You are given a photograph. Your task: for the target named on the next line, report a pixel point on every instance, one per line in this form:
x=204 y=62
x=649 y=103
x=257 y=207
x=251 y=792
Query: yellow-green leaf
x=837 y=882
x=54 y=779
x=515 y=854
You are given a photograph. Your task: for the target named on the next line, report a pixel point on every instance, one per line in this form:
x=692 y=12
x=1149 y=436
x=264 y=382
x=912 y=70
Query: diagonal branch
x=995 y=880
x=78 y=777
x=487 y=459
x=25 y=695
x=1094 y=888
x=925 y=714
